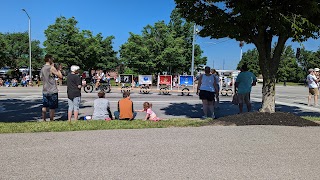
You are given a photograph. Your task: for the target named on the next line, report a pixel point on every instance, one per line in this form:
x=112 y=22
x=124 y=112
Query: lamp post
x=30 y=71
x=193 y=42
x=241 y=44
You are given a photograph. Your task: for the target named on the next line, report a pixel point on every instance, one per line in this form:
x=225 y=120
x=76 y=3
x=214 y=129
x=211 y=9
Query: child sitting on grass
x=150 y=114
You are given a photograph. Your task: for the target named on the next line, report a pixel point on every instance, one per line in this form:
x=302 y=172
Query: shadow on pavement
x=21 y=110
x=226 y=108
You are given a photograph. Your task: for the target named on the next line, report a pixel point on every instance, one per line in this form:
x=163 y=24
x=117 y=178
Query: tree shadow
x=226 y=108
x=21 y=110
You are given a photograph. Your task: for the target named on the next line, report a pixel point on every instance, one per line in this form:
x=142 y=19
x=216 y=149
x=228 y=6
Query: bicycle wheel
x=229 y=92
x=223 y=92
x=185 y=91
x=105 y=88
x=88 y=88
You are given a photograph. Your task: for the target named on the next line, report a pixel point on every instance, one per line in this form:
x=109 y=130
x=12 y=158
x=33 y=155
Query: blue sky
x=117 y=18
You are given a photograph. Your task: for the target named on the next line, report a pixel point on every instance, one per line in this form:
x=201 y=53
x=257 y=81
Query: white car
x=24 y=69
x=260 y=80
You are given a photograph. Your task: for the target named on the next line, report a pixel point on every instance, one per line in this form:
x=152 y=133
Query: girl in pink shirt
x=150 y=114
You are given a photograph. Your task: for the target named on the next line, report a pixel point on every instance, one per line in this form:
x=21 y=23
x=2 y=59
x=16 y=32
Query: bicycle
x=88 y=88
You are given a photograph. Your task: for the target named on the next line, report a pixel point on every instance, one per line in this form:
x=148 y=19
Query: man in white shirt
x=313 y=87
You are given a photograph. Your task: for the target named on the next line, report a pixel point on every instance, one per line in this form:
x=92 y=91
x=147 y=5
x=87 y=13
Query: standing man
x=207 y=88
x=313 y=87
x=50 y=90
x=244 y=83
x=74 y=92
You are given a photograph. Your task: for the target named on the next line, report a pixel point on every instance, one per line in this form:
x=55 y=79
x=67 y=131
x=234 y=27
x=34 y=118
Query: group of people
x=125 y=109
x=101 y=110
x=208 y=90
x=313 y=80
x=14 y=82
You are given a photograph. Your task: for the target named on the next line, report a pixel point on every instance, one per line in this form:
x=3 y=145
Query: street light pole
x=30 y=71
x=193 y=42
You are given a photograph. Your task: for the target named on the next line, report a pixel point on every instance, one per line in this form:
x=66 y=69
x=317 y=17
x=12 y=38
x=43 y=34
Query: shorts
x=244 y=98
x=206 y=95
x=74 y=104
x=50 y=100
x=313 y=91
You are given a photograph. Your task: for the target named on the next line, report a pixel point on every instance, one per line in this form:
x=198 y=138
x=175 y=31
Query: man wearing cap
x=74 y=92
x=313 y=87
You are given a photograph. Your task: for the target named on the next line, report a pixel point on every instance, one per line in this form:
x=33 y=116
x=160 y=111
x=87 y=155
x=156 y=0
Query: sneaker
x=204 y=117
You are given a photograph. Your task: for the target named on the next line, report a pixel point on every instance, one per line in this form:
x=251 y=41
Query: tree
x=258 y=22
x=251 y=58
x=14 y=50
x=162 y=48
x=308 y=59
x=288 y=70
x=71 y=46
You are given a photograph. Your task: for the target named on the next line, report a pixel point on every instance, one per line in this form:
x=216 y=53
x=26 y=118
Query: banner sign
x=125 y=78
x=186 y=80
x=165 y=79
x=145 y=79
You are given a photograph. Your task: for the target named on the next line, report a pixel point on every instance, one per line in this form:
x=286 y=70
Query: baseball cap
x=311 y=70
x=74 y=68
x=316 y=69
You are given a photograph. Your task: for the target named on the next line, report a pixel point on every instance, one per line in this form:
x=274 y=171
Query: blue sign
x=186 y=80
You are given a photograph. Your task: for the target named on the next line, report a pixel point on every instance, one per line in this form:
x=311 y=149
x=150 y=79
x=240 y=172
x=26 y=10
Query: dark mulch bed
x=258 y=118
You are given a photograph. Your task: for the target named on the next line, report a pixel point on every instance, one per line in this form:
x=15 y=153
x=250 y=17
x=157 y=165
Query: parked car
x=24 y=69
x=4 y=72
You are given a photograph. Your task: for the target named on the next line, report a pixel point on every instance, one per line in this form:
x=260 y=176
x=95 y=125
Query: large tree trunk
x=269 y=63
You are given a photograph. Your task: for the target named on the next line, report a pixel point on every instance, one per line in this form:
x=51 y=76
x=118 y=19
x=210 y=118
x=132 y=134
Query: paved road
x=213 y=152
x=23 y=104
x=217 y=152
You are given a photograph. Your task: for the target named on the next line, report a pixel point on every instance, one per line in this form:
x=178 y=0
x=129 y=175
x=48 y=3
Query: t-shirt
x=100 y=109
x=312 y=81
x=125 y=107
x=73 y=81
x=207 y=83
x=245 y=80
x=48 y=81
x=151 y=113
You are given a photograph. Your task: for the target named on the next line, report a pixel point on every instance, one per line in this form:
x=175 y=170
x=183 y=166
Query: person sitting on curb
x=125 y=108
x=101 y=108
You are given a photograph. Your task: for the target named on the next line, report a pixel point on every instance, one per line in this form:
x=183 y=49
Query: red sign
x=165 y=79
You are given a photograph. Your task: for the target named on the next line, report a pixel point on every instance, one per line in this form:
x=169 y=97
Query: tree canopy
x=162 y=48
x=260 y=22
x=14 y=50
x=289 y=68
x=71 y=46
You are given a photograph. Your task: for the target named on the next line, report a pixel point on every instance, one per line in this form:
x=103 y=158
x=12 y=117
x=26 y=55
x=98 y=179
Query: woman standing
x=206 y=89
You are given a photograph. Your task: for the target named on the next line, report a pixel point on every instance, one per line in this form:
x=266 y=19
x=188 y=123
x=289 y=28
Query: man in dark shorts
x=207 y=85
x=50 y=90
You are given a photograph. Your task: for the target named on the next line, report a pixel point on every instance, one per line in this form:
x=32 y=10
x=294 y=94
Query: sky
x=116 y=18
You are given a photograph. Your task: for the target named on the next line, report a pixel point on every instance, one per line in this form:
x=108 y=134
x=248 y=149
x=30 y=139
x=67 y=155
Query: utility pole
x=30 y=69
x=193 y=43
x=223 y=64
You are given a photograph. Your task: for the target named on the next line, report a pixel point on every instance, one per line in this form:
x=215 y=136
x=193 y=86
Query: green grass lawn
x=291 y=84
x=311 y=118
x=59 y=126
